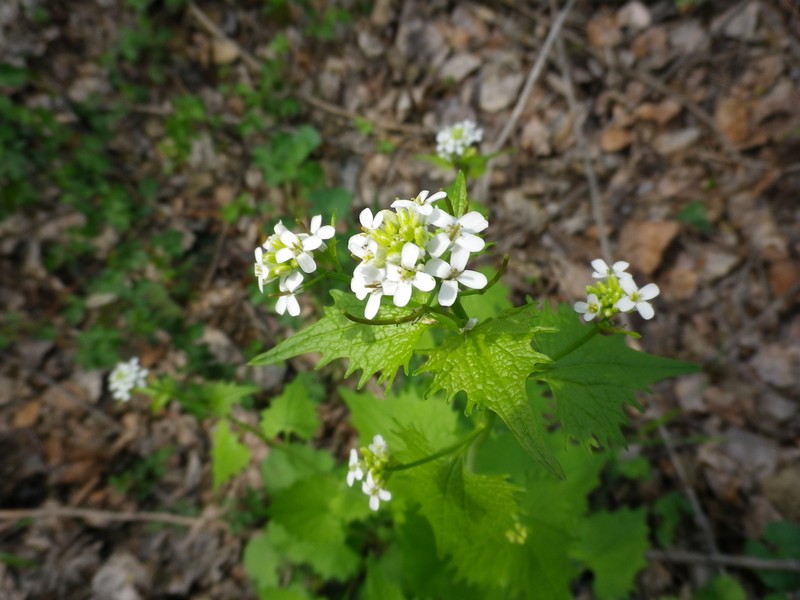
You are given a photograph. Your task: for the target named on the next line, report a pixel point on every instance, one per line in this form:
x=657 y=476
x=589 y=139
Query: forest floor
x=667 y=132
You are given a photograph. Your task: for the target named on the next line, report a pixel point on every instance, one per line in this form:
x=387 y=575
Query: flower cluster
x=452 y=142
x=373 y=464
x=615 y=292
x=412 y=246
x=125 y=377
x=286 y=256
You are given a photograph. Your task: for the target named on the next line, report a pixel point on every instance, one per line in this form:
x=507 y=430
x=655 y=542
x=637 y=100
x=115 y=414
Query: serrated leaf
x=457 y=194
x=292 y=412
x=469 y=514
x=229 y=456
x=593 y=382
x=612 y=545
x=491 y=365
x=370 y=348
x=782 y=542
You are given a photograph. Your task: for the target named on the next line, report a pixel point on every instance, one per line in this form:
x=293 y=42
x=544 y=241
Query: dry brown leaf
x=643 y=243
x=614 y=139
x=28 y=414
x=732 y=118
x=783 y=276
x=603 y=30
x=662 y=112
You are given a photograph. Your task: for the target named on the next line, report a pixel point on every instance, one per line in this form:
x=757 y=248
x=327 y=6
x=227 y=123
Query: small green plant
x=143 y=475
x=695 y=215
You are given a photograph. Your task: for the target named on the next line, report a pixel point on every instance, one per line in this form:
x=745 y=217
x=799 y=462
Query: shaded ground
x=693 y=134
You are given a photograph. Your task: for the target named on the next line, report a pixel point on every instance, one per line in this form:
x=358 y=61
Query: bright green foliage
x=372 y=349
x=722 y=587
x=289 y=463
x=593 y=382
x=315 y=513
x=470 y=515
x=405 y=409
x=212 y=398
x=491 y=365
x=262 y=563
x=380 y=586
x=781 y=540
x=612 y=545
x=457 y=195
x=229 y=456
x=294 y=411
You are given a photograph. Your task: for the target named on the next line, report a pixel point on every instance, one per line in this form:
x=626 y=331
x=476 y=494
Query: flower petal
x=316 y=221
x=410 y=255
x=326 y=232
x=438 y=245
x=629 y=285
x=365 y=218
x=470 y=242
x=473 y=222
x=600 y=268
x=439 y=218
x=306 y=262
x=292 y=305
x=423 y=282
x=649 y=291
x=625 y=304
x=284 y=255
x=373 y=304
x=438 y=268
x=646 y=310
x=448 y=293
x=402 y=294
x=473 y=279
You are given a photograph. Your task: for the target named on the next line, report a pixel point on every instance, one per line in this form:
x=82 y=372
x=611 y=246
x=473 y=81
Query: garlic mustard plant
x=453 y=141
x=126 y=377
x=615 y=292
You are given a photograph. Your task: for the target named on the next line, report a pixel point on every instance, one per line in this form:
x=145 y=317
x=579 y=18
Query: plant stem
x=250 y=429
x=443 y=452
x=577 y=343
x=459 y=311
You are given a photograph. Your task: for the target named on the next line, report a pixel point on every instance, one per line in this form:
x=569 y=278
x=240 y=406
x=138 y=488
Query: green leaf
x=457 y=194
x=670 y=509
x=218 y=397
x=229 y=456
x=370 y=348
x=470 y=515
x=289 y=463
x=782 y=540
x=593 y=382
x=331 y=201
x=378 y=586
x=262 y=561
x=491 y=365
x=292 y=412
x=721 y=587
x=388 y=416
x=612 y=544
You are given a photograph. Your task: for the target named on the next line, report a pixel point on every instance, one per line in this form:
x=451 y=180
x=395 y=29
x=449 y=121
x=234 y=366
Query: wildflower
x=453 y=141
x=375 y=492
x=287 y=302
x=602 y=270
x=379 y=447
x=355 y=472
x=369 y=280
x=637 y=298
x=421 y=204
x=408 y=274
x=458 y=234
x=299 y=249
x=452 y=274
x=589 y=309
x=125 y=377
x=320 y=231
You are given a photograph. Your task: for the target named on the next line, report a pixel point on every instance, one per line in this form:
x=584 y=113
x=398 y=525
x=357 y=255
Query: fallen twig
x=744 y=562
x=97 y=515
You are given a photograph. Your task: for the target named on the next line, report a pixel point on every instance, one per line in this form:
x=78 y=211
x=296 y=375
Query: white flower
x=354 y=472
x=408 y=274
x=379 y=447
x=125 y=377
x=458 y=234
x=375 y=492
x=320 y=231
x=453 y=274
x=453 y=141
x=602 y=270
x=637 y=298
x=368 y=221
x=298 y=248
x=422 y=204
x=589 y=309
x=371 y=281
x=287 y=302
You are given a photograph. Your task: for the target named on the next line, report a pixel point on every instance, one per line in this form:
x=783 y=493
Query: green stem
x=443 y=452
x=413 y=316
x=472 y=453
x=251 y=429
x=577 y=343
x=459 y=311
x=492 y=281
